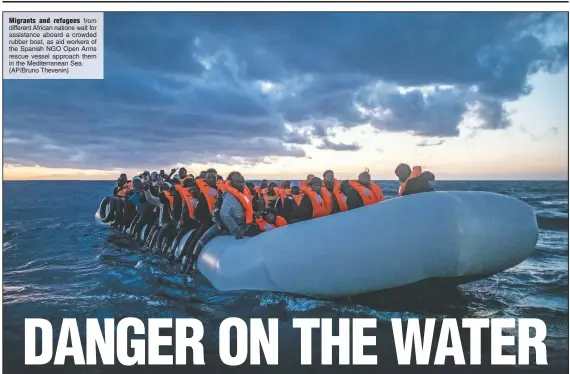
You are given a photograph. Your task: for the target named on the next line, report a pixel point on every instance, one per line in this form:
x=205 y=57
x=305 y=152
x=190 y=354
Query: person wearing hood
x=236 y=216
x=413 y=181
x=361 y=192
x=312 y=203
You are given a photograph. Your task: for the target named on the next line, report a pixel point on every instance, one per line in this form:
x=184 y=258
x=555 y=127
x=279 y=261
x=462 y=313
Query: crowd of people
x=174 y=204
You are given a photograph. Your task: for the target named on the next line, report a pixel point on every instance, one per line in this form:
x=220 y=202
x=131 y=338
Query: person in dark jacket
x=354 y=199
x=232 y=218
x=203 y=216
x=413 y=181
x=186 y=222
x=329 y=183
x=307 y=209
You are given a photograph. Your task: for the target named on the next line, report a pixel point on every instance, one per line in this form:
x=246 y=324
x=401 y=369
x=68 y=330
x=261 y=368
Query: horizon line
x=302 y=179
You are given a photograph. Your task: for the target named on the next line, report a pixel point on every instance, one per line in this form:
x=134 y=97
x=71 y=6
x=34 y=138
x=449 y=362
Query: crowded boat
x=177 y=214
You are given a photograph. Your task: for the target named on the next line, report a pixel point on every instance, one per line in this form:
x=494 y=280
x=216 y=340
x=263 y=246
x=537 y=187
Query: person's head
x=211 y=177
x=295 y=188
x=403 y=172
x=146 y=175
x=191 y=176
x=202 y=174
x=316 y=184
x=251 y=187
x=175 y=181
x=310 y=178
x=190 y=184
x=122 y=180
x=229 y=178
x=220 y=178
x=154 y=176
x=137 y=183
x=269 y=216
x=286 y=185
x=165 y=187
x=183 y=173
x=271 y=188
x=264 y=184
x=162 y=173
x=364 y=178
x=238 y=182
x=328 y=176
x=428 y=176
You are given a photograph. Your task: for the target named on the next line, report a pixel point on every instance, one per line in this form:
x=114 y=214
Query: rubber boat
x=459 y=235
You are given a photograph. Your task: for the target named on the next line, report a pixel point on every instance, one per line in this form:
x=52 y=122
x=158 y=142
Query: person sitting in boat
x=334 y=198
x=413 y=181
x=312 y=204
x=190 y=195
x=270 y=220
x=255 y=202
x=269 y=195
x=361 y=192
x=182 y=174
x=235 y=215
x=208 y=193
x=171 y=202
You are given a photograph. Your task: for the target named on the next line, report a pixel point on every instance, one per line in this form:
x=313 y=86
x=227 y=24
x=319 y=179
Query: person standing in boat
x=312 y=204
x=361 y=192
x=236 y=215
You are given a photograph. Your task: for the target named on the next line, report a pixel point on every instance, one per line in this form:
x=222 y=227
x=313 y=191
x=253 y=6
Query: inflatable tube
x=461 y=235
x=106 y=210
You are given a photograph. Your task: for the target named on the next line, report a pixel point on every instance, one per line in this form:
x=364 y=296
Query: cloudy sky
x=466 y=95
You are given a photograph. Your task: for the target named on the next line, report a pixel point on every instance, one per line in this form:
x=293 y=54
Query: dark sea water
x=58 y=263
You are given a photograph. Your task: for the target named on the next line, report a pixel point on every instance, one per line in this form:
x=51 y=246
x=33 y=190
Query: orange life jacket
x=170 y=198
x=370 y=195
x=320 y=208
x=266 y=226
x=416 y=172
x=282 y=193
x=340 y=197
x=245 y=202
x=191 y=204
x=190 y=201
x=182 y=191
x=209 y=193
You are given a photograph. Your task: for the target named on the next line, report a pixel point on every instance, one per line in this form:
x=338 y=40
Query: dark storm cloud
x=241 y=87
